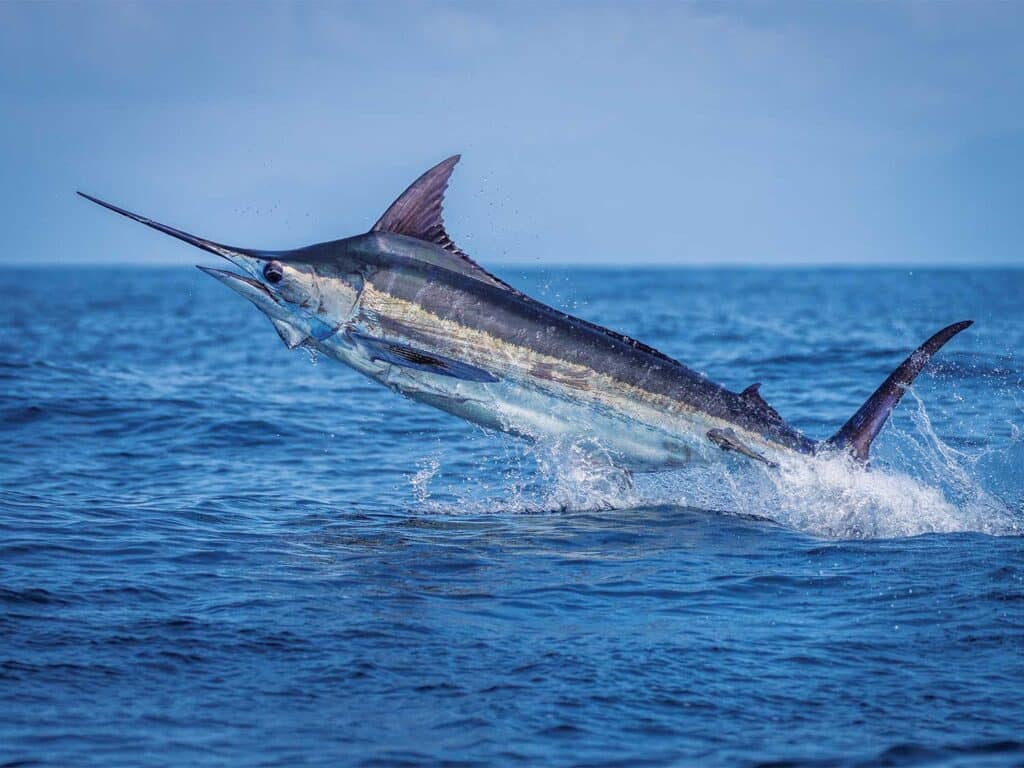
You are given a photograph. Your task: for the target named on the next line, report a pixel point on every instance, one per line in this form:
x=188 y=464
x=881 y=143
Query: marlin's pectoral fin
x=416 y=359
x=728 y=440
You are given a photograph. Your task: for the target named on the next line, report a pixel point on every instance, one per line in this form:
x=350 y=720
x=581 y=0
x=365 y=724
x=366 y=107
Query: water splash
x=581 y=476
x=829 y=497
x=823 y=496
x=420 y=480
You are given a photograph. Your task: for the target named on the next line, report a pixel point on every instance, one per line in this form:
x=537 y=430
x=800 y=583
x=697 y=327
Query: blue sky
x=627 y=133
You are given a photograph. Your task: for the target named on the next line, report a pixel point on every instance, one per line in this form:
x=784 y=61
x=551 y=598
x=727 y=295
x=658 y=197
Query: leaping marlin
x=404 y=305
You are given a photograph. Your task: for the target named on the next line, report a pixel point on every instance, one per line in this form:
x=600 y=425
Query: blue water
x=214 y=551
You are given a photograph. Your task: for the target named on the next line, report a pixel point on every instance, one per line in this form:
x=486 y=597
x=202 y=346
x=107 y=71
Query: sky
x=616 y=134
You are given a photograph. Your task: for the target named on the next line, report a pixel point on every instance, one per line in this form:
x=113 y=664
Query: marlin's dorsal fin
x=752 y=392
x=752 y=396
x=418 y=212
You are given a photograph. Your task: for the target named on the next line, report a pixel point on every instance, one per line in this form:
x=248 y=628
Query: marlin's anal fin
x=728 y=440
x=290 y=335
x=405 y=356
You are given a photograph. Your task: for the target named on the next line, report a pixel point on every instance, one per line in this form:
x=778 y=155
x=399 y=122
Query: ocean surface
x=214 y=551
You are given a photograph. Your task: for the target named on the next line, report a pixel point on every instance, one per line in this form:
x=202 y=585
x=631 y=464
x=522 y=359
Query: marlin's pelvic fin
x=858 y=433
x=290 y=335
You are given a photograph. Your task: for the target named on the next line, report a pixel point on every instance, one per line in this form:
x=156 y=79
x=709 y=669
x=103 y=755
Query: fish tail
x=857 y=434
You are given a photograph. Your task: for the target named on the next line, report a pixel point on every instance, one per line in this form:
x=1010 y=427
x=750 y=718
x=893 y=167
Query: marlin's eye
x=273 y=272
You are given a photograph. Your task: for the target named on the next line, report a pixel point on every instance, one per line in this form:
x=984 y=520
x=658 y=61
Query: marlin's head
x=308 y=293
x=292 y=295
x=311 y=293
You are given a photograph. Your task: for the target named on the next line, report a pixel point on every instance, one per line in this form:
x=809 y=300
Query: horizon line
x=776 y=265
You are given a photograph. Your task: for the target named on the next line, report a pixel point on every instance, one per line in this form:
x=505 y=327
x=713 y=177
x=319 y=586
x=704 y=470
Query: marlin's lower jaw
x=294 y=329
x=253 y=291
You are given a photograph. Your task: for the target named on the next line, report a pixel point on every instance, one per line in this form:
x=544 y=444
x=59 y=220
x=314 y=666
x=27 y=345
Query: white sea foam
x=823 y=496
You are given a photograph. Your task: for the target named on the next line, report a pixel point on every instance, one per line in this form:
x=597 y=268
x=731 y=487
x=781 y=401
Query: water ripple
x=215 y=552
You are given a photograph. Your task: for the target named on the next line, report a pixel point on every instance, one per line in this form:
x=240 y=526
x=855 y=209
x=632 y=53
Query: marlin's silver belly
x=535 y=396
x=535 y=411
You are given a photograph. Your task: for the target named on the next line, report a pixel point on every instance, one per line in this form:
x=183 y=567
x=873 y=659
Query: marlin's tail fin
x=857 y=434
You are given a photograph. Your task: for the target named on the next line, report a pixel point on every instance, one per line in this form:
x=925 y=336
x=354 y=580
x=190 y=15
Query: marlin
x=404 y=305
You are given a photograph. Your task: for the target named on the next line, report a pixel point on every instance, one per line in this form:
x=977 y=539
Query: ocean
x=214 y=551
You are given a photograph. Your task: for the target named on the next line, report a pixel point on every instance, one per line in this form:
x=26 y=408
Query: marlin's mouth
x=292 y=328
x=251 y=289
